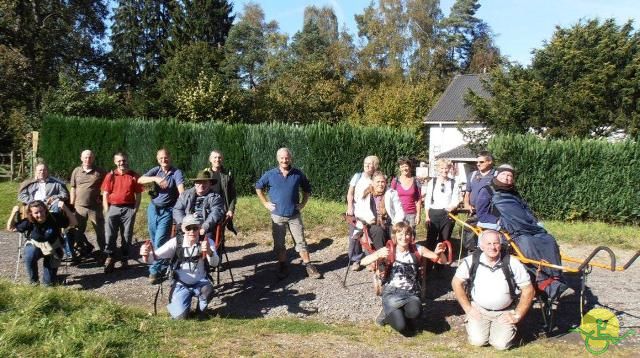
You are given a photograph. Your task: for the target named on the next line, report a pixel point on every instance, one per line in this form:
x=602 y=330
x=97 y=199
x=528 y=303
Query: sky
x=519 y=25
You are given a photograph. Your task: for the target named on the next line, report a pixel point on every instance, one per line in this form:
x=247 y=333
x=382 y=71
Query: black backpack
x=506 y=269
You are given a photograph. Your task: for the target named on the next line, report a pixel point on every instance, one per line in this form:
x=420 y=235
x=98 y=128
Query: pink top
x=408 y=197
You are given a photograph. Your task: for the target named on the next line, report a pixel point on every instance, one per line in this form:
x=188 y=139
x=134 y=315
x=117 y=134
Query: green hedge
x=329 y=155
x=575 y=179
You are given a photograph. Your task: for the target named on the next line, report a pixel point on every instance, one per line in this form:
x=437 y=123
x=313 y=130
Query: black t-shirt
x=49 y=231
x=216 y=187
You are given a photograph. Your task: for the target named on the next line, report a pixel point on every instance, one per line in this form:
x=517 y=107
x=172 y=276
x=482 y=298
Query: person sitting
x=492 y=311
x=44 y=188
x=400 y=296
x=378 y=208
x=201 y=202
x=42 y=231
x=191 y=260
x=500 y=206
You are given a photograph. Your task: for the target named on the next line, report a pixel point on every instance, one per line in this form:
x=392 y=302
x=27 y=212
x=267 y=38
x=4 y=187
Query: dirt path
x=258 y=293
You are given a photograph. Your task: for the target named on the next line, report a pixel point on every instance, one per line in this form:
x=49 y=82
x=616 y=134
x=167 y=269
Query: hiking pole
x=344 y=282
x=20 y=239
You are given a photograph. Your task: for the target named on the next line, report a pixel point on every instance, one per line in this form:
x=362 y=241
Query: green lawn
x=251 y=216
x=37 y=321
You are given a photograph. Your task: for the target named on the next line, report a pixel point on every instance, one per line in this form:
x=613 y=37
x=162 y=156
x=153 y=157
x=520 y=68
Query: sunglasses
x=192 y=228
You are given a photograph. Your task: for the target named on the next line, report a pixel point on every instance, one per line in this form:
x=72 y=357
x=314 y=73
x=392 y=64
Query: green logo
x=600 y=328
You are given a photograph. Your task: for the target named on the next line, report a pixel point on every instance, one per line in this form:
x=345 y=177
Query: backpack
x=506 y=270
x=179 y=258
x=433 y=186
x=394 y=183
x=391 y=258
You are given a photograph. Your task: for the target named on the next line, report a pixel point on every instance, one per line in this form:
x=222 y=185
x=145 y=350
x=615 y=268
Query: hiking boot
x=356 y=266
x=312 y=271
x=283 y=270
x=108 y=265
x=380 y=318
x=154 y=279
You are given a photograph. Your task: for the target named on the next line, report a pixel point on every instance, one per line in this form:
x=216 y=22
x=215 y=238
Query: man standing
x=478 y=179
x=121 y=195
x=85 y=197
x=201 y=202
x=168 y=184
x=223 y=183
x=284 y=183
x=43 y=188
x=491 y=310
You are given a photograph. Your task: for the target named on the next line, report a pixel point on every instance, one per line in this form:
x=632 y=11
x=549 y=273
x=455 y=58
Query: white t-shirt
x=189 y=272
x=360 y=182
x=490 y=289
x=404 y=272
x=443 y=195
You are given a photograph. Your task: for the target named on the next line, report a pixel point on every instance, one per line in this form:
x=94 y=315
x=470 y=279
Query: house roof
x=451 y=107
x=461 y=154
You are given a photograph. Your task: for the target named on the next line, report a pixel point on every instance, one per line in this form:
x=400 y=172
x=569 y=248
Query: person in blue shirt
x=284 y=183
x=168 y=184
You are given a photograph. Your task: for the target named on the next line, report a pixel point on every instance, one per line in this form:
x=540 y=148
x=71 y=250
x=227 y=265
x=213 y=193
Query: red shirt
x=121 y=188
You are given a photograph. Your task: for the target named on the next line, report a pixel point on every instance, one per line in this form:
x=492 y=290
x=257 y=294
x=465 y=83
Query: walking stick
x=20 y=240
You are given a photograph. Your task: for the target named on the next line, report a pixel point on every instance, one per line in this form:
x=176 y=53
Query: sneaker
x=312 y=271
x=356 y=266
x=108 y=265
x=380 y=318
x=283 y=270
x=154 y=279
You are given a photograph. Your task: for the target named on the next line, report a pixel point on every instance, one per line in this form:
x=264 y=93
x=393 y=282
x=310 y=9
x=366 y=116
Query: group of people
x=486 y=282
x=110 y=201
x=182 y=225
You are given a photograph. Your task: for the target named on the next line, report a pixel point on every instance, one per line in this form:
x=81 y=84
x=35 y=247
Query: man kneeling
x=491 y=278
x=190 y=269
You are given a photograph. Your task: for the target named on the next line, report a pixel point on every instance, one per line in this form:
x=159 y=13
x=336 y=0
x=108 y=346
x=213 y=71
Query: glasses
x=481 y=161
x=192 y=228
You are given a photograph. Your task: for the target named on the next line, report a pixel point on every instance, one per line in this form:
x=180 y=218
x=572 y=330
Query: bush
x=329 y=155
x=575 y=179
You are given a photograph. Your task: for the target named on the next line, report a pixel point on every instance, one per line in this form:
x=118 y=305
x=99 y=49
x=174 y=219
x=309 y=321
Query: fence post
x=11 y=165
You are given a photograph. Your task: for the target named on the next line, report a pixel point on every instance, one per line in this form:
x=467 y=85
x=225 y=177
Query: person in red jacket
x=121 y=195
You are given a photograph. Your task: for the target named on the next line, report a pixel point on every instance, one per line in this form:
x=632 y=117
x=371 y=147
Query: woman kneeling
x=400 y=296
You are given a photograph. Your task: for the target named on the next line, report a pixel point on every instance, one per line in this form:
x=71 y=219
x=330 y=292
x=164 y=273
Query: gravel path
x=257 y=292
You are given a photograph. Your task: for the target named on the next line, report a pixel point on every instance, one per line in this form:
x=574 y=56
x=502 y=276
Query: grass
x=251 y=217
x=37 y=321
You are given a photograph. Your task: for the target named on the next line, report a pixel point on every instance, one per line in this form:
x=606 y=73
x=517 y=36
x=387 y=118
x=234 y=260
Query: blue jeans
x=31 y=256
x=181 y=298
x=159 y=221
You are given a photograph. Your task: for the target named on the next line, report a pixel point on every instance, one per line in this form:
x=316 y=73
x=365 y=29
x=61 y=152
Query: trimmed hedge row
x=329 y=155
x=575 y=179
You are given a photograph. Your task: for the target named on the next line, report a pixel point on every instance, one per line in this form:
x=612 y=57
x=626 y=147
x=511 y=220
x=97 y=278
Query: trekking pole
x=344 y=282
x=20 y=239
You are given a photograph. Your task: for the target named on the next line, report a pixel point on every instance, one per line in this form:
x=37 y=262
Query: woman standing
x=408 y=191
x=42 y=231
x=442 y=196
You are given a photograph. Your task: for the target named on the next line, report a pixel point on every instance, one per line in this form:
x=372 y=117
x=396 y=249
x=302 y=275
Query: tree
x=582 y=83
x=249 y=46
x=207 y=21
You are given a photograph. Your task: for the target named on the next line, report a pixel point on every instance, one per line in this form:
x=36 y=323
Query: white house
x=444 y=121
